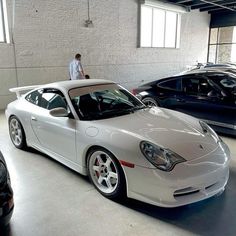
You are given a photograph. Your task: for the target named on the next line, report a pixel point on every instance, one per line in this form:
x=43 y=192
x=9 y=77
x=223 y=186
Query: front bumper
x=188 y=182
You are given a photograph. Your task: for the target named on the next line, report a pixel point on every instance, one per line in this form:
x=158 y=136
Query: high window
x=222 y=45
x=4 y=31
x=159 y=27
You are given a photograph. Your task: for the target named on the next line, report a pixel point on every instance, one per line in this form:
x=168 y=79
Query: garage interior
x=39 y=40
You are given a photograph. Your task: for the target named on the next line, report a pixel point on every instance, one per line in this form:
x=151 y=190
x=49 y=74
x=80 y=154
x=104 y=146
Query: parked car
x=6 y=194
x=99 y=129
x=229 y=69
x=222 y=65
x=208 y=95
x=213 y=66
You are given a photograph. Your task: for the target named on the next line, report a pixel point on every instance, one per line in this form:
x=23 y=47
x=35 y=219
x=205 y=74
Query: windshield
x=103 y=101
x=225 y=81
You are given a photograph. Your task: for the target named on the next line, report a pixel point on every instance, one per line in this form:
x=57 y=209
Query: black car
x=208 y=95
x=6 y=194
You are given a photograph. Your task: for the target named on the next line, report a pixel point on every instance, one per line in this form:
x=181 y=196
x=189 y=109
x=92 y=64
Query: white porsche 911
x=99 y=129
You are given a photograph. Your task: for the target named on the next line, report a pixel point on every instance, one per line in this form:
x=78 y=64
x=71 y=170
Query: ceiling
x=210 y=6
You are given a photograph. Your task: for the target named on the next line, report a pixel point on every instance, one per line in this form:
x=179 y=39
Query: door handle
x=33 y=118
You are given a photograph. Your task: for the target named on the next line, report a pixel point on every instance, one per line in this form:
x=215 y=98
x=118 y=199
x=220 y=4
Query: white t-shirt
x=75 y=70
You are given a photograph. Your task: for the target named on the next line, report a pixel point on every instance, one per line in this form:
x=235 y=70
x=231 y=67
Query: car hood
x=170 y=129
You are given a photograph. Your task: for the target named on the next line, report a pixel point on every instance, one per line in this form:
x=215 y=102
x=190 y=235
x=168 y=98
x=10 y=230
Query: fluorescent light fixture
x=165 y=6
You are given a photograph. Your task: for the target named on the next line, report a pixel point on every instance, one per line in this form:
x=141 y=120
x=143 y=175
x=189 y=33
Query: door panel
x=204 y=101
x=56 y=134
x=170 y=92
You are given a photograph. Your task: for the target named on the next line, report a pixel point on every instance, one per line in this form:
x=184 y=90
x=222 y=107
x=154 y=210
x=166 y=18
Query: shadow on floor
x=211 y=217
x=214 y=216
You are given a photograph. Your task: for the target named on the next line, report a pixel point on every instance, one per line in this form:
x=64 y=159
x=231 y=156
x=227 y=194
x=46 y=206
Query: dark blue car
x=208 y=95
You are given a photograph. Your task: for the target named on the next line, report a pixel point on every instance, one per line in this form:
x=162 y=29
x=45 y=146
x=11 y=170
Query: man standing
x=76 y=69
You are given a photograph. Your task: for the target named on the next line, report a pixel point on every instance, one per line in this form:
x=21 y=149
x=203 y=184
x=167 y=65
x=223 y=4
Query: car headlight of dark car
x=3 y=173
x=162 y=158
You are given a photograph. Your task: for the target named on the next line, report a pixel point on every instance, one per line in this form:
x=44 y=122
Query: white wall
x=47 y=34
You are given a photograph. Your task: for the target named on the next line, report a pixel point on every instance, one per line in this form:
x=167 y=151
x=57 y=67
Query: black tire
x=148 y=101
x=109 y=186
x=17 y=133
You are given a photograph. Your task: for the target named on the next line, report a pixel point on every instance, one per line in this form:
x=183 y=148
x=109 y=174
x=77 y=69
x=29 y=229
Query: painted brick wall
x=47 y=34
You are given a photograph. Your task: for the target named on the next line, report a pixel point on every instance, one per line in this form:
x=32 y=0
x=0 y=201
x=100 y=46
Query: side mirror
x=59 y=112
x=213 y=94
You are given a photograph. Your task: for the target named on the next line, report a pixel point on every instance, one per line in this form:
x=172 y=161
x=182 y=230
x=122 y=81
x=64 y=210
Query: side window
x=197 y=86
x=34 y=97
x=52 y=99
x=204 y=88
x=172 y=84
x=190 y=85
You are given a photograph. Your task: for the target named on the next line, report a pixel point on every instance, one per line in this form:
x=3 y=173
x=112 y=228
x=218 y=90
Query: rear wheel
x=106 y=173
x=150 y=102
x=17 y=133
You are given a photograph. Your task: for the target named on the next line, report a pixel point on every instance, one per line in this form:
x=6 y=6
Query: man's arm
x=81 y=70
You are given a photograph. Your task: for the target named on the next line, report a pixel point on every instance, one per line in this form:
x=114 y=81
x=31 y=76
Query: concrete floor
x=51 y=199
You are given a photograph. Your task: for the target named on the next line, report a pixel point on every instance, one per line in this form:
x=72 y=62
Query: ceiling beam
x=219 y=5
x=198 y=4
x=182 y=1
x=210 y=8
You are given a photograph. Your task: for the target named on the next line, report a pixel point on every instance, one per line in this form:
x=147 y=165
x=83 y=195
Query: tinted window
x=197 y=86
x=225 y=81
x=52 y=99
x=191 y=85
x=174 y=84
x=103 y=101
x=34 y=97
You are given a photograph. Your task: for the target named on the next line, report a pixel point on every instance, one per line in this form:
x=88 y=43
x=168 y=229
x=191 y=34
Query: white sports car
x=99 y=129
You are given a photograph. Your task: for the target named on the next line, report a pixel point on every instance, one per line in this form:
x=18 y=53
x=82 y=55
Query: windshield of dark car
x=226 y=81
x=103 y=101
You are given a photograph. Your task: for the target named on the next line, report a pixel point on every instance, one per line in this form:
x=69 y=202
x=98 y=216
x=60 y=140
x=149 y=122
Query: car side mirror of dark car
x=59 y=112
x=214 y=94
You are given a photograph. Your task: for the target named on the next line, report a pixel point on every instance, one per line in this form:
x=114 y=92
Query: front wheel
x=17 y=133
x=150 y=102
x=106 y=173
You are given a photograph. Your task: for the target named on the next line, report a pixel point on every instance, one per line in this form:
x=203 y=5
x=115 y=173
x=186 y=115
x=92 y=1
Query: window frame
x=56 y=92
x=39 y=91
x=171 y=89
x=217 y=44
x=199 y=78
x=188 y=78
x=5 y=27
x=177 y=28
x=46 y=90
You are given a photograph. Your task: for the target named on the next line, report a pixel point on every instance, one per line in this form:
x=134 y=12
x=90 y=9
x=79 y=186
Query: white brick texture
x=47 y=34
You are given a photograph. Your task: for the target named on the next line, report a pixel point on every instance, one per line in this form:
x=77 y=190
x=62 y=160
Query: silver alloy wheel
x=16 y=132
x=150 y=102
x=103 y=172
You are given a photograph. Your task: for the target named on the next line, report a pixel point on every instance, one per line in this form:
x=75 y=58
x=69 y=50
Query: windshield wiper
x=112 y=113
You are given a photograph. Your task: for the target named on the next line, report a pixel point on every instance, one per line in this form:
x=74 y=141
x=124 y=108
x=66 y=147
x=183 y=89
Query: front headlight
x=162 y=158
x=3 y=173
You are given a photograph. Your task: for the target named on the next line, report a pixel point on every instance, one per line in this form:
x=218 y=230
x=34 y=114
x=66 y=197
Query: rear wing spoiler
x=18 y=90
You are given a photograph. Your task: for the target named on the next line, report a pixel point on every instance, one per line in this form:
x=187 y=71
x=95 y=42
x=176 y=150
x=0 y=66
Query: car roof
x=204 y=71
x=69 y=84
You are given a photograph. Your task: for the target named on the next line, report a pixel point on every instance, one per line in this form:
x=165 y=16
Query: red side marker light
x=134 y=91
x=128 y=164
